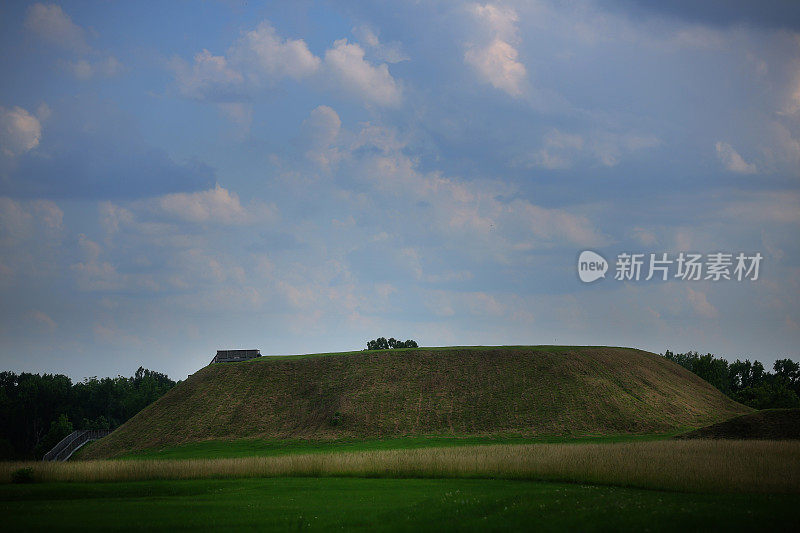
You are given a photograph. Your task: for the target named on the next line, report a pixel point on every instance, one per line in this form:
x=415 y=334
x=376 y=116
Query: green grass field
x=292 y=504
x=594 y=483
x=272 y=447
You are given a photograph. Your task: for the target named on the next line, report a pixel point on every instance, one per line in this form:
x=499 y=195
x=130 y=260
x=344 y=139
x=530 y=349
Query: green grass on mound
x=524 y=391
x=382 y=505
x=267 y=448
x=770 y=424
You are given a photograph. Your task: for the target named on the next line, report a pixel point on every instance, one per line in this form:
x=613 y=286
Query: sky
x=299 y=177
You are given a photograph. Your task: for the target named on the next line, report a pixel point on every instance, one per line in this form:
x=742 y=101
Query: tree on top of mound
x=382 y=344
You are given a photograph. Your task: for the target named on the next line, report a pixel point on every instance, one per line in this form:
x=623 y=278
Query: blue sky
x=181 y=177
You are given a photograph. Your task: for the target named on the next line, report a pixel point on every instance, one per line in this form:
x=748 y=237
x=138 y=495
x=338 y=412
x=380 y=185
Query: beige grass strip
x=701 y=465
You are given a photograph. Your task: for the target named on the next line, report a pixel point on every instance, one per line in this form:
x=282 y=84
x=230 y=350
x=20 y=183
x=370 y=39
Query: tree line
x=745 y=381
x=37 y=411
x=381 y=343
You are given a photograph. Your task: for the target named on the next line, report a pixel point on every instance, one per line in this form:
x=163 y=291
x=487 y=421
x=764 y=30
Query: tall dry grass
x=700 y=465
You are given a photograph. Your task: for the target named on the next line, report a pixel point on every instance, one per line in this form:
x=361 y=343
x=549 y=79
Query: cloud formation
x=84 y=69
x=19 y=131
x=91 y=150
x=437 y=170
x=273 y=56
x=561 y=150
x=459 y=211
x=498 y=60
x=731 y=159
x=390 y=52
x=51 y=24
x=348 y=69
x=319 y=133
x=261 y=58
x=217 y=205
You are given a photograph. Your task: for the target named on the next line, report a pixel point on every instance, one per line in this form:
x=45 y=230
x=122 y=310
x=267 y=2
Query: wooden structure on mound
x=231 y=356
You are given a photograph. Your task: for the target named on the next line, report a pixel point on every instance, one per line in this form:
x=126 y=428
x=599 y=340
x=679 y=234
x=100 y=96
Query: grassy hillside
x=770 y=424
x=528 y=391
x=231 y=448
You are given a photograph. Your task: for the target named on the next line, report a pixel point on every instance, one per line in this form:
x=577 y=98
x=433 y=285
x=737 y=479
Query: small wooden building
x=230 y=356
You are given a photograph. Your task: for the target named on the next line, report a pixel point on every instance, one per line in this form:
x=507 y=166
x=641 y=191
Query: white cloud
x=501 y=20
x=261 y=57
x=558 y=150
x=389 y=52
x=562 y=150
x=82 y=69
x=85 y=69
x=472 y=211
x=781 y=207
x=210 y=76
x=384 y=290
x=644 y=236
x=496 y=59
x=273 y=56
x=217 y=205
x=374 y=136
x=784 y=152
x=48 y=214
x=30 y=241
x=322 y=126
x=319 y=132
x=15 y=221
x=112 y=335
x=346 y=65
x=299 y=297
x=51 y=24
x=239 y=113
x=42 y=319
x=19 y=131
x=486 y=305
x=732 y=161
x=92 y=274
x=43 y=112
x=258 y=59
x=498 y=65
x=698 y=36
x=700 y=304
x=609 y=147
x=412 y=259
x=28 y=220
x=793 y=105
x=112 y=217
x=546 y=225
x=90 y=248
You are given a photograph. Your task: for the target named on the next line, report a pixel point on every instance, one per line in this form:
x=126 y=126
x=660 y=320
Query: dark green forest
x=36 y=411
x=745 y=381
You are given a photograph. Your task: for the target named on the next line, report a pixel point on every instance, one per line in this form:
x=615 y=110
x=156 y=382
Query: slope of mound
x=530 y=391
x=772 y=424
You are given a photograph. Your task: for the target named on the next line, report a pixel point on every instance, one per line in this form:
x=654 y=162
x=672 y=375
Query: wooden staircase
x=70 y=444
